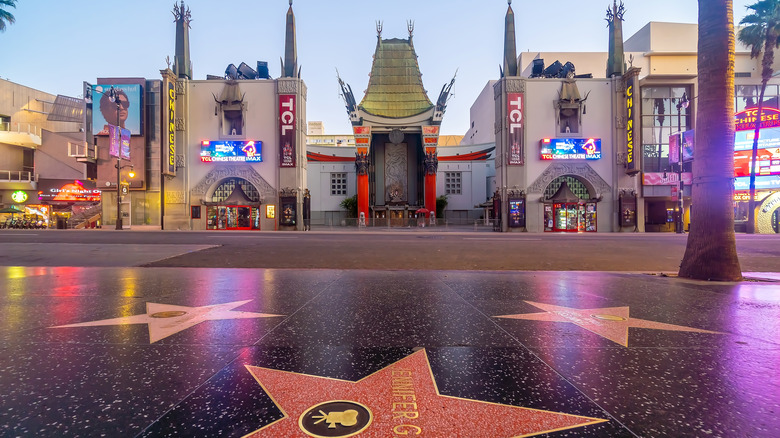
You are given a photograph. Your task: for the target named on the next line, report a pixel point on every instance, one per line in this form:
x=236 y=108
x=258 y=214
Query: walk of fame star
x=166 y=319
x=608 y=322
x=399 y=400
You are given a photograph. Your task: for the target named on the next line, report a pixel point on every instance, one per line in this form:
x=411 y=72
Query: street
x=375 y=334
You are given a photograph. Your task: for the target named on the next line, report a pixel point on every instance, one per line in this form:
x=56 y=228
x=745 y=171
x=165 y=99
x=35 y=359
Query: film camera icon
x=346 y=418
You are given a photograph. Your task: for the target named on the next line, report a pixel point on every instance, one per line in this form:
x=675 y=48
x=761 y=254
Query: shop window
x=659 y=121
x=747 y=97
x=338 y=184
x=452 y=183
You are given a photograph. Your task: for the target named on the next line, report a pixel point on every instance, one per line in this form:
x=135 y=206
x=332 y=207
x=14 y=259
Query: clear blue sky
x=55 y=45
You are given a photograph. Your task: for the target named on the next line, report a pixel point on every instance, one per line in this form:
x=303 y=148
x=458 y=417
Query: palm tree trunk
x=711 y=252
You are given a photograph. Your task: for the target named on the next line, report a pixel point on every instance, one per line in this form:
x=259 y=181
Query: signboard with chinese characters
x=571 y=149
x=287 y=130
x=515 y=124
x=240 y=150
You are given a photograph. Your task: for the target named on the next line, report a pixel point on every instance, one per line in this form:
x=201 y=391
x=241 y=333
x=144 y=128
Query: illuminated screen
x=765 y=182
x=104 y=112
x=244 y=151
x=571 y=149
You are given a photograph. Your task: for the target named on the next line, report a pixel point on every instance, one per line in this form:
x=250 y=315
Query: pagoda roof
x=395 y=88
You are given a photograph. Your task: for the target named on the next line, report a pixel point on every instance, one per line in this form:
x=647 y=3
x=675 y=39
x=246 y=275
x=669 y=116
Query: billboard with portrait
x=104 y=112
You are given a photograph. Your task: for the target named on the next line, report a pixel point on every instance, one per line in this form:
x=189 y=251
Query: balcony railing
x=82 y=150
x=18 y=176
x=22 y=128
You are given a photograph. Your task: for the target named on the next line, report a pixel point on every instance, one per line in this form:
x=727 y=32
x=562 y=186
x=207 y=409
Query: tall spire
x=510 y=51
x=290 y=63
x=616 y=65
x=182 y=65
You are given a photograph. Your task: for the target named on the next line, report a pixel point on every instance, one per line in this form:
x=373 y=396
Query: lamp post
x=113 y=96
x=683 y=103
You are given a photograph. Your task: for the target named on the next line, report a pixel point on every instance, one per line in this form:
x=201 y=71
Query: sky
x=56 y=45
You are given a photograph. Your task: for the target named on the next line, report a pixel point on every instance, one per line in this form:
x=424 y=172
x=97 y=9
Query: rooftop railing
x=18 y=176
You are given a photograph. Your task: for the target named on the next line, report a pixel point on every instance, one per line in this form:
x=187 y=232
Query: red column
x=430 y=192
x=362 y=195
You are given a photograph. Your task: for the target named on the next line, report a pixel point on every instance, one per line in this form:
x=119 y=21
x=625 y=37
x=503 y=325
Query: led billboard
x=239 y=150
x=571 y=149
x=104 y=112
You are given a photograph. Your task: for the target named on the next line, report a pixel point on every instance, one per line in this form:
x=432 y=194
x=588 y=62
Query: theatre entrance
x=235 y=205
x=568 y=207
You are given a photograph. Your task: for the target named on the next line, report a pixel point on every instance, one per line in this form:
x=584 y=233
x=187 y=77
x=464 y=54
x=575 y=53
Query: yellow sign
x=270 y=211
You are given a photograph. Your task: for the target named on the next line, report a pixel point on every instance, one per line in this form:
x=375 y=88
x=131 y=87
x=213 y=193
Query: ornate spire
x=290 y=63
x=182 y=65
x=616 y=65
x=510 y=51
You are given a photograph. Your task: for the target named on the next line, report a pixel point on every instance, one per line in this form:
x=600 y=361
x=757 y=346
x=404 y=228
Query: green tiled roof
x=395 y=88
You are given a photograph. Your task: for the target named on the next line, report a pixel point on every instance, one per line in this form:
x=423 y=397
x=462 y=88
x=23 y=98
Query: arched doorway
x=569 y=206
x=234 y=205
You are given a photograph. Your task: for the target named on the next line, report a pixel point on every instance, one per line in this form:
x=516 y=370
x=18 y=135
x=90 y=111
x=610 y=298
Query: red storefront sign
x=287 y=130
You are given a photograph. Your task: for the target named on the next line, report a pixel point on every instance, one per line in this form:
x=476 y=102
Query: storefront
x=235 y=205
x=565 y=211
x=68 y=201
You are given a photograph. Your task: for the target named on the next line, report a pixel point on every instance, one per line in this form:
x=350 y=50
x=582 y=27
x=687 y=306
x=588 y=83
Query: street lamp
x=113 y=96
x=683 y=103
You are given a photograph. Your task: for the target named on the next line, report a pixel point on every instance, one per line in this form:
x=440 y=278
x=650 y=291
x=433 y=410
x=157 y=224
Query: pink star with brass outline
x=402 y=400
x=608 y=322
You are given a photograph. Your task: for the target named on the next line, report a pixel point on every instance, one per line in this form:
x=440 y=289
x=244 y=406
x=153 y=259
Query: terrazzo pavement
x=426 y=353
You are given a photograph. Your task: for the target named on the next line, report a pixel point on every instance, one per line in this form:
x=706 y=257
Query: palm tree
x=711 y=251
x=5 y=16
x=762 y=30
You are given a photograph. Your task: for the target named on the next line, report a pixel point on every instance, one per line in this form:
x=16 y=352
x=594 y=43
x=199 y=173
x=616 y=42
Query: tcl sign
x=287 y=131
x=515 y=122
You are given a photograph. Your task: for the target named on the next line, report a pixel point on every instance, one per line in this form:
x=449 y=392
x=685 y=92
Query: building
x=39 y=133
x=396 y=128
x=632 y=112
x=465 y=176
x=224 y=153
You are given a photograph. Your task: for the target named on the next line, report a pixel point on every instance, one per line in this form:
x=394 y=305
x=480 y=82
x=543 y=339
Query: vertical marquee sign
x=515 y=119
x=287 y=130
x=169 y=127
x=631 y=166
